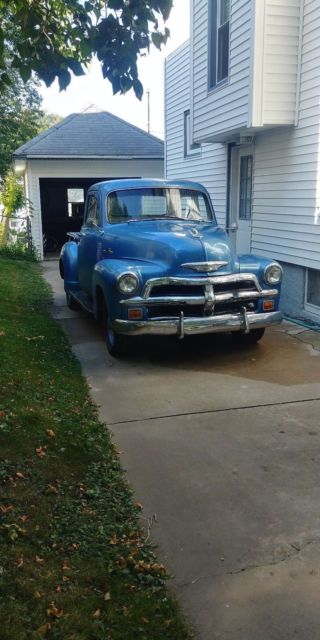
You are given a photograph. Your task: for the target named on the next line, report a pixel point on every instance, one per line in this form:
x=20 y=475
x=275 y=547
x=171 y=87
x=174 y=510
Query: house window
x=245 y=188
x=189 y=147
x=219 y=41
x=313 y=288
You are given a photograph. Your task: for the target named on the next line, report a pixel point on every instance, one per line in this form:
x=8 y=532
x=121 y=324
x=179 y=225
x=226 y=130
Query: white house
x=243 y=117
x=60 y=165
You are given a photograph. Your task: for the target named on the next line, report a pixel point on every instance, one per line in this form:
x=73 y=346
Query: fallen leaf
x=19 y=562
x=2 y=414
x=6 y=509
x=52 y=489
x=39 y=560
x=43 y=629
x=20 y=476
x=145 y=620
x=51 y=433
x=66 y=566
x=89 y=512
x=96 y=614
x=65 y=579
x=58 y=589
x=54 y=611
x=114 y=539
x=125 y=611
x=37 y=594
x=40 y=451
x=3 y=333
x=121 y=561
x=107 y=596
x=139 y=505
x=23 y=518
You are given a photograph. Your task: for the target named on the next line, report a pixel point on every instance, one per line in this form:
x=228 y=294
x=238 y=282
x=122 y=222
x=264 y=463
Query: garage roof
x=93 y=135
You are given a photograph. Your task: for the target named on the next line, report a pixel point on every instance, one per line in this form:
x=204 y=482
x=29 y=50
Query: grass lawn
x=73 y=561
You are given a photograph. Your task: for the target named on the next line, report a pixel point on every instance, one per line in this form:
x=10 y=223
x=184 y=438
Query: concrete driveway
x=223 y=446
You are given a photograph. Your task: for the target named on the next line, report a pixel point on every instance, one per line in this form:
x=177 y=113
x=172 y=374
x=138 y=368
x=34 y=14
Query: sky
x=92 y=89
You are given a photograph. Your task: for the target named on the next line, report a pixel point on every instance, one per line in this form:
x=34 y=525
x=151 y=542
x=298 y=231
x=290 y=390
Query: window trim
x=193 y=149
x=214 y=26
x=92 y=225
x=241 y=158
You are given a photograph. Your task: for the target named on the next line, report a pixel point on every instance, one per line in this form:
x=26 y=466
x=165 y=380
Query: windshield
x=148 y=204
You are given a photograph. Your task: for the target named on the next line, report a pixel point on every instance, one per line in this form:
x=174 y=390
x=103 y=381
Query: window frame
x=245 y=218
x=214 y=51
x=90 y=224
x=193 y=149
x=309 y=306
x=206 y=197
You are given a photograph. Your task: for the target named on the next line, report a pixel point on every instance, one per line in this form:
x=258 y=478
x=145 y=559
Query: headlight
x=273 y=273
x=127 y=283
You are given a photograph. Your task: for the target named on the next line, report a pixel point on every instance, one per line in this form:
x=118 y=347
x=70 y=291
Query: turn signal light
x=268 y=305
x=135 y=314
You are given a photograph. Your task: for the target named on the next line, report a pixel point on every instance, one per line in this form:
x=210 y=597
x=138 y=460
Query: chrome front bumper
x=182 y=326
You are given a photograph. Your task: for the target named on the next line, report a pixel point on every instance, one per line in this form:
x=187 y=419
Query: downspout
x=231 y=146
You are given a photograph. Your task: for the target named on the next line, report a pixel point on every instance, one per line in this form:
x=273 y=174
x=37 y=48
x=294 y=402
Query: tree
x=12 y=196
x=20 y=117
x=56 y=37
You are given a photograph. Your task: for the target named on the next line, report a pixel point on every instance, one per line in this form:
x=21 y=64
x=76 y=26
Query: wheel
x=117 y=344
x=71 y=302
x=248 y=338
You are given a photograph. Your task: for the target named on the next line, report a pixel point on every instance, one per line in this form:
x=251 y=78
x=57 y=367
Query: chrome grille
x=200 y=296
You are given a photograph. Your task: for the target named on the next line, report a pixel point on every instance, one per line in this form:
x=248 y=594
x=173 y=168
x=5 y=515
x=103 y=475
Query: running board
x=83 y=299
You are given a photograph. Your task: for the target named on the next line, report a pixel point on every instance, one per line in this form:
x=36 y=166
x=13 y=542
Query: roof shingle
x=93 y=134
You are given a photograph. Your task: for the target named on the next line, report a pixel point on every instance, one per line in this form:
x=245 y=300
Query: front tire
x=117 y=344
x=71 y=302
x=248 y=339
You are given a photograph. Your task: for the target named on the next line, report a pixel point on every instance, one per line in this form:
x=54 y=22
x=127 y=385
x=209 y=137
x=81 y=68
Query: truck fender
x=68 y=265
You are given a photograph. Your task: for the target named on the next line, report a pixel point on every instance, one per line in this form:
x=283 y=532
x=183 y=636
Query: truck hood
x=173 y=243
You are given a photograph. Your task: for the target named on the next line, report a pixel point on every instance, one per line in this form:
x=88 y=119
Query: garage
x=60 y=164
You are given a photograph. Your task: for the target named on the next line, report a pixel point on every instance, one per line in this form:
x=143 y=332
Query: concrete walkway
x=223 y=446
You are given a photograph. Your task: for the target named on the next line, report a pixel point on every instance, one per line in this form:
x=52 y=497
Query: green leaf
x=64 y=78
x=116 y=5
x=138 y=89
x=25 y=73
x=157 y=39
x=76 y=67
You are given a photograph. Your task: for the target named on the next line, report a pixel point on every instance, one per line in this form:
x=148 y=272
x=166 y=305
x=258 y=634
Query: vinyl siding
x=286 y=198
x=210 y=166
x=280 y=64
x=224 y=109
x=80 y=169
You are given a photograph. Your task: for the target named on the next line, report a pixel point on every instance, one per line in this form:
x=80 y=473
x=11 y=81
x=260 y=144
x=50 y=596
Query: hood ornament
x=205 y=266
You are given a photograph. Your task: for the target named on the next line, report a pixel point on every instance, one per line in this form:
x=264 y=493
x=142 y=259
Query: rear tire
x=248 y=339
x=117 y=344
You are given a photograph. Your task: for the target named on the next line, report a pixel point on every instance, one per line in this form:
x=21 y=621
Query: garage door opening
x=62 y=208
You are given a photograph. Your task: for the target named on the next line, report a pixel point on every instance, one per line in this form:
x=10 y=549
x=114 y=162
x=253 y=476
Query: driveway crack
x=296 y=549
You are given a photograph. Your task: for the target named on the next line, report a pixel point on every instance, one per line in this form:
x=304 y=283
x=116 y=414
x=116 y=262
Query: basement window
x=313 y=290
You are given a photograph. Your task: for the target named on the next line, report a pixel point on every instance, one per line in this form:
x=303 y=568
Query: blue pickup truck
x=151 y=259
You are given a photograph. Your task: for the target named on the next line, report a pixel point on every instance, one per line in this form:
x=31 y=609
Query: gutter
x=48 y=157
